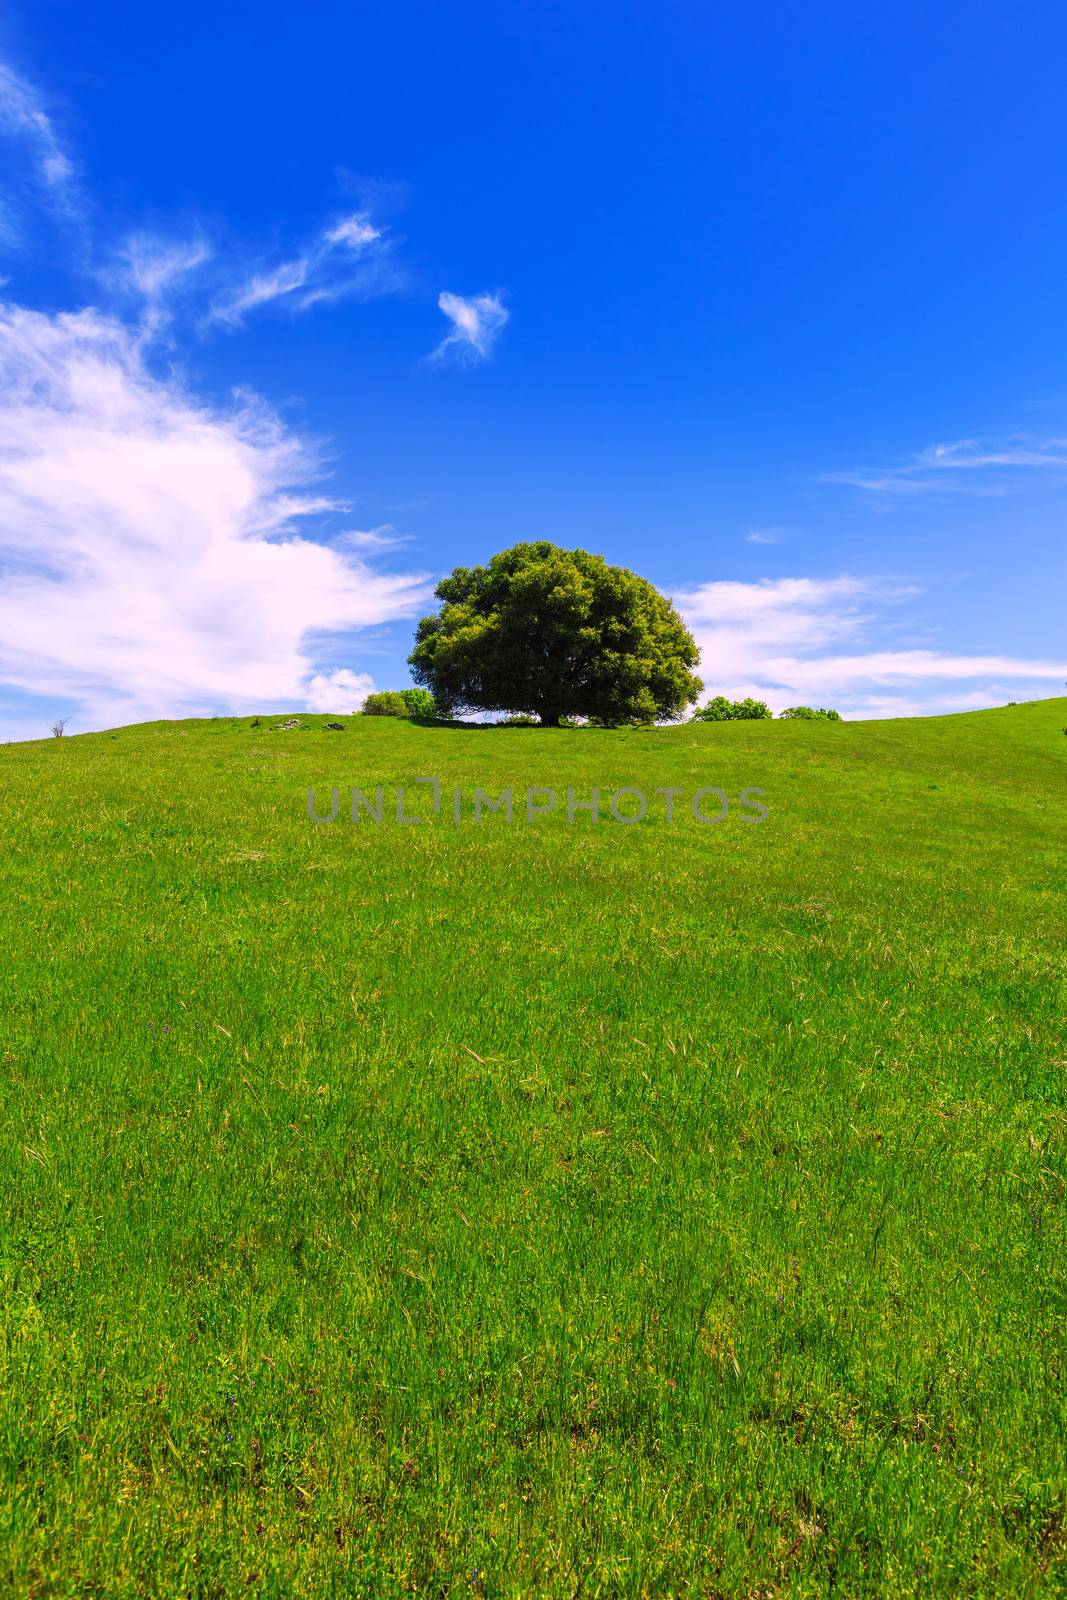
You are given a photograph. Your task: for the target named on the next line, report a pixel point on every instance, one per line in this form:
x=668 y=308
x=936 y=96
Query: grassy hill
x=535 y=1208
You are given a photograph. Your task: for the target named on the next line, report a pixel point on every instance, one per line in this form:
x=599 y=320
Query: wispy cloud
x=22 y=114
x=261 y=288
x=356 y=231
x=151 y=562
x=353 y=256
x=975 y=466
x=764 y=536
x=43 y=175
x=152 y=264
x=383 y=537
x=159 y=272
x=793 y=641
x=477 y=322
x=10 y=232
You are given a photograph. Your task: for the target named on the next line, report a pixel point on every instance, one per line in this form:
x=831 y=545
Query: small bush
x=59 y=728
x=722 y=710
x=810 y=714
x=387 y=703
x=419 y=702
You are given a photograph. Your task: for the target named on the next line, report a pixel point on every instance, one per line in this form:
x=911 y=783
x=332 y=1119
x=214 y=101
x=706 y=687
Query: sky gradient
x=303 y=307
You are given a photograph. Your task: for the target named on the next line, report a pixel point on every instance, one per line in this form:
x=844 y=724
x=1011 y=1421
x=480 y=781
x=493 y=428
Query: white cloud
x=477 y=322
x=763 y=536
x=341 y=692
x=149 y=559
x=812 y=612
x=786 y=641
x=350 y=257
x=974 y=466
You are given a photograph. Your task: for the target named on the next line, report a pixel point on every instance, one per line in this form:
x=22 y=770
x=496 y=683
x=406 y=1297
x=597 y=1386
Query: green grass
x=544 y=1209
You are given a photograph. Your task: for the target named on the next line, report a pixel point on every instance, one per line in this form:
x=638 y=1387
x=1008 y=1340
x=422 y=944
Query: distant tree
x=556 y=634
x=810 y=714
x=420 y=702
x=722 y=710
x=59 y=728
x=388 y=703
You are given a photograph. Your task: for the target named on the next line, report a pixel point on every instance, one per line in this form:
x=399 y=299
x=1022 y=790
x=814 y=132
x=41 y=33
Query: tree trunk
x=549 y=719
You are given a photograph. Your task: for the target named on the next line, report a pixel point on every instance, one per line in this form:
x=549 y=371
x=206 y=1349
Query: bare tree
x=60 y=727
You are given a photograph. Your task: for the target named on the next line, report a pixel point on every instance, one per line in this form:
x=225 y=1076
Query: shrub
x=810 y=714
x=722 y=710
x=387 y=703
x=420 y=702
x=521 y=720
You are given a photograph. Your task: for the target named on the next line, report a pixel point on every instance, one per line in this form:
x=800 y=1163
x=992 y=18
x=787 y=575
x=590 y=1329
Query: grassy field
x=540 y=1208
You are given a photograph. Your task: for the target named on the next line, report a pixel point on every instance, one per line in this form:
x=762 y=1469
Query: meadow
x=546 y=1208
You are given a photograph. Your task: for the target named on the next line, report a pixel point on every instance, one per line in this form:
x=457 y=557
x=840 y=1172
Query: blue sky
x=305 y=306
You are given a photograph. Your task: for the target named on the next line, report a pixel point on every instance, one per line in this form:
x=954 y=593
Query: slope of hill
x=544 y=1206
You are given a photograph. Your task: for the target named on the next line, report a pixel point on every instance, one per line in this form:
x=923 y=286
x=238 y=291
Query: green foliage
x=722 y=710
x=502 y=1211
x=386 y=703
x=401 y=703
x=521 y=720
x=419 y=703
x=556 y=633
x=810 y=714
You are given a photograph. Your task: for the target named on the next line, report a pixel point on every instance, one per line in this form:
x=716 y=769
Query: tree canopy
x=556 y=633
